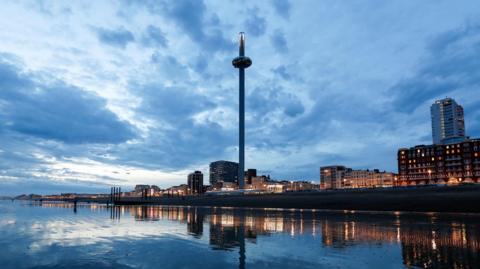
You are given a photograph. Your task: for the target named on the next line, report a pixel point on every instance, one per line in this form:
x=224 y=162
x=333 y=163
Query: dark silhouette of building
x=440 y=164
x=140 y=187
x=249 y=174
x=195 y=183
x=223 y=171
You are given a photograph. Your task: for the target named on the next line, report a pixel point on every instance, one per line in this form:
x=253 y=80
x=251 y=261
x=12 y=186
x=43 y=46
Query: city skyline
x=147 y=94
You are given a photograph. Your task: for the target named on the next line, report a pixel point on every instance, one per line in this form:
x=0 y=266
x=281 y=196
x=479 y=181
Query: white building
x=448 y=123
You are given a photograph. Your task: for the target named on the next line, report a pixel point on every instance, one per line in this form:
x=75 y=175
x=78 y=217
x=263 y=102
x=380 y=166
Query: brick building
x=440 y=164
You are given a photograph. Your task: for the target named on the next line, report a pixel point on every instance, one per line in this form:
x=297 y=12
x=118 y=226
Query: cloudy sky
x=128 y=92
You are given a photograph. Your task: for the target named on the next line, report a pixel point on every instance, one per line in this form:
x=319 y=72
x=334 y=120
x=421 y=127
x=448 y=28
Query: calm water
x=54 y=235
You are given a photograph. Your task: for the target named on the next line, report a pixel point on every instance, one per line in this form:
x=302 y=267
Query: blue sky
x=130 y=92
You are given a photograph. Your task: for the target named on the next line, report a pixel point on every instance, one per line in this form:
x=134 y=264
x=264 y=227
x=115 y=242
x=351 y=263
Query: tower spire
x=241 y=62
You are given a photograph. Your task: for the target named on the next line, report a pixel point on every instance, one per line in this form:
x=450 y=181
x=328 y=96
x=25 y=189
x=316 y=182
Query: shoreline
x=453 y=199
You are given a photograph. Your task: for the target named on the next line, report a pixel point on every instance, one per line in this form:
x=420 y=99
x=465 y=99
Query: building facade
x=368 y=179
x=331 y=177
x=440 y=164
x=341 y=177
x=223 y=171
x=299 y=185
x=249 y=174
x=195 y=183
x=141 y=187
x=448 y=124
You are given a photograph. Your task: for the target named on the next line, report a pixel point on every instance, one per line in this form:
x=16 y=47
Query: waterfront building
x=195 y=183
x=299 y=185
x=229 y=186
x=176 y=190
x=448 y=124
x=368 y=179
x=275 y=187
x=341 y=177
x=141 y=187
x=440 y=164
x=331 y=177
x=258 y=183
x=223 y=171
x=249 y=174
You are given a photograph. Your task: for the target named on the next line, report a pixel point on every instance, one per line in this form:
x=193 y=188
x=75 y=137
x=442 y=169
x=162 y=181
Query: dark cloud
x=282 y=72
x=114 y=37
x=154 y=37
x=172 y=104
x=279 y=41
x=452 y=65
x=31 y=105
x=265 y=103
x=178 y=140
x=255 y=24
x=169 y=67
x=282 y=7
x=192 y=18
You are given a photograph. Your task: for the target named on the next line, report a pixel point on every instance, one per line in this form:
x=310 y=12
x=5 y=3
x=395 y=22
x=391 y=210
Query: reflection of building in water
x=195 y=222
x=160 y=213
x=227 y=230
x=226 y=226
x=427 y=241
x=422 y=246
x=457 y=248
x=347 y=233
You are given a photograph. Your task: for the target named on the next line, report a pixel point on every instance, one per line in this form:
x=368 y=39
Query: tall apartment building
x=223 y=171
x=195 y=182
x=331 y=177
x=440 y=164
x=448 y=124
